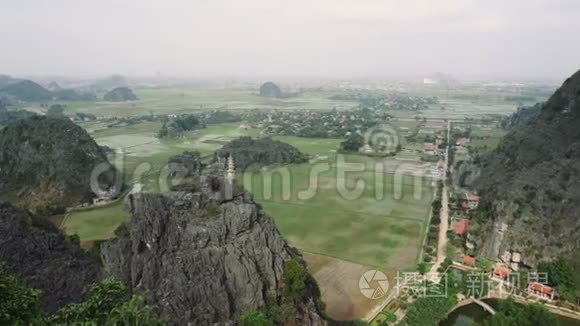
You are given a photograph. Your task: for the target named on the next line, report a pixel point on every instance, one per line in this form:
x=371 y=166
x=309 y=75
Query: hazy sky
x=327 y=38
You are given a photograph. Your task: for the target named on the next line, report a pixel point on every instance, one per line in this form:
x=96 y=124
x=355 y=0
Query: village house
x=461 y=227
x=468 y=260
x=542 y=291
x=501 y=274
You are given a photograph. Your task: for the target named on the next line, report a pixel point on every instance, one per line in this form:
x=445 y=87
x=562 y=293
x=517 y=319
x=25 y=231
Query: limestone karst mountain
x=120 y=94
x=530 y=184
x=47 y=162
x=269 y=89
x=207 y=254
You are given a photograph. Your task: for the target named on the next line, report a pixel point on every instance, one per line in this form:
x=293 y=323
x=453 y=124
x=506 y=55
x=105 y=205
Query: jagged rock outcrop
x=530 y=184
x=120 y=94
x=205 y=255
x=48 y=162
x=269 y=89
x=43 y=258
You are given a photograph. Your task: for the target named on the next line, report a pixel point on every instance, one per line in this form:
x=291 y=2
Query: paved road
x=444 y=214
x=442 y=242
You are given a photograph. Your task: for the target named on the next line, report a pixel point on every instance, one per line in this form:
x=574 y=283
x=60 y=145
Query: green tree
x=423 y=268
x=108 y=304
x=560 y=273
x=255 y=318
x=352 y=143
x=18 y=305
x=510 y=313
x=484 y=264
x=294 y=277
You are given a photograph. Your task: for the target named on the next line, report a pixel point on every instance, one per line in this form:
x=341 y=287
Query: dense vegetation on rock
x=269 y=89
x=530 y=184
x=209 y=253
x=43 y=258
x=521 y=116
x=182 y=167
x=47 y=162
x=107 y=303
x=56 y=111
x=120 y=94
x=255 y=153
x=176 y=126
x=8 y=116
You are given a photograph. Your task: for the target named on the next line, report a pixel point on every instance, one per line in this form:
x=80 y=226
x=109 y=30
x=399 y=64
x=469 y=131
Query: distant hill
x=73 y=95
x=269 y=89
x=29 y=91
x=47 y=163
x=111 y=82
x=6 y=80
x=530 y=185
x=26 y=90
x=120 y=94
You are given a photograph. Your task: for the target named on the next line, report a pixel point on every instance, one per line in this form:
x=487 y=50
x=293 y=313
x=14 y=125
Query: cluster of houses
x=505 y=271
x=505 y=276
x=461 y=145
x=535 y=288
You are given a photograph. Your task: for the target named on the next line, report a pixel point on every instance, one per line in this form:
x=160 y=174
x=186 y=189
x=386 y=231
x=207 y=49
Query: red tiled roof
x=501 y=272
x=461 y=227
x=468 y=260
x=539 y=287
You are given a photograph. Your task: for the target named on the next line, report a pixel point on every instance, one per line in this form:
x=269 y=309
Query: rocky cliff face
x=204 y=255
x=41 y=256
x=48 y=161
x=530 y=184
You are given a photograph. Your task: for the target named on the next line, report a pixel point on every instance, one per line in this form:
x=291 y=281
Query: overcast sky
x=326 y=38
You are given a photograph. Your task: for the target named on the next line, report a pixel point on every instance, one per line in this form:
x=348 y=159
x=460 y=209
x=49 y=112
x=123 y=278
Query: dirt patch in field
x=338 y=281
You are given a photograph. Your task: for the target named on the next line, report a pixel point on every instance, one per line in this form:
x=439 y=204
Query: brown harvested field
x=338 y=282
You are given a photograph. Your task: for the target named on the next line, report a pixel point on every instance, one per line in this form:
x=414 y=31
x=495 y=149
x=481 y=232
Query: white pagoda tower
x=231 y=170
